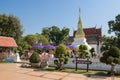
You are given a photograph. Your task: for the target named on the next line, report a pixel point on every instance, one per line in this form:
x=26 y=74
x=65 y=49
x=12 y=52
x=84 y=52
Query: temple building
x=91 y=37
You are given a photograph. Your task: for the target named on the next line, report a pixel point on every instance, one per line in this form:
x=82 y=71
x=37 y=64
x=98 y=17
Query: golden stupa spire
x=79 y=33
x=79 y=21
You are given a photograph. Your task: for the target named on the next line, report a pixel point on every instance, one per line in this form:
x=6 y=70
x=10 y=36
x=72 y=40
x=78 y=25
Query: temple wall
x=96 y=65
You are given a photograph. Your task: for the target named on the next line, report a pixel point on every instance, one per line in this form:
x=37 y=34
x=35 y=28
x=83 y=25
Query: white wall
x=94 y=46
x=96 y=65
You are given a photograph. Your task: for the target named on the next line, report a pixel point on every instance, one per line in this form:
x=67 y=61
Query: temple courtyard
x=13 y=71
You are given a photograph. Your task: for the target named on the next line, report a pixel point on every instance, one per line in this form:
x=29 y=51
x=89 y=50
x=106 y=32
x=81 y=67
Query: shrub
x=44 y=58
x=62 y=59
x=83 y=52
x=34 y=58
x=111 y=57
x=92 y=50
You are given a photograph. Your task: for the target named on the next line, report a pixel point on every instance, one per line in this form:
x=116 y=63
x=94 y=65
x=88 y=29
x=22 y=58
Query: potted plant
x=35 y=60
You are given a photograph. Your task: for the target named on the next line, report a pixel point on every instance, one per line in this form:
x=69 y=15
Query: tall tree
x=46 y=32
x=41 y=39
x=55 y=35
x=10 y=26
x=33 y=39
x=22 y=46
x=114 y=26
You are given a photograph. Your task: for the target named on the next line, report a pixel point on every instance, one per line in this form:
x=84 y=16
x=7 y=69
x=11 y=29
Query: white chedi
x=78 y=41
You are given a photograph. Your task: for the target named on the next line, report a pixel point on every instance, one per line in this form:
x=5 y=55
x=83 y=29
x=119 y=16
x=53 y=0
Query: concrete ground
x=13 y=71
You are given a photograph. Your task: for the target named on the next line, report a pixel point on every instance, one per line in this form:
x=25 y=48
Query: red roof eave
x=7 y=42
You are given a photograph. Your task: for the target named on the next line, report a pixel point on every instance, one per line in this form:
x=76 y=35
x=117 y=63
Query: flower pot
x=35 y=64
x=44 y=64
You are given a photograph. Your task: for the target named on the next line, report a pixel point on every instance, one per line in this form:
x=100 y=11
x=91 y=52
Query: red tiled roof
x=89 y=31
x=92 y=31
x=7 y=42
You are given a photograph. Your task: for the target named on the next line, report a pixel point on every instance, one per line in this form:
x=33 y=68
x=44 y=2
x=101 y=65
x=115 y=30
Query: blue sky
x=34 y=15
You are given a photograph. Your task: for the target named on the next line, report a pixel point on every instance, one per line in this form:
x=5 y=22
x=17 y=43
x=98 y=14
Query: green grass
x=101 y=73
x=78 y=71
x=48 y=69
x=68 y=70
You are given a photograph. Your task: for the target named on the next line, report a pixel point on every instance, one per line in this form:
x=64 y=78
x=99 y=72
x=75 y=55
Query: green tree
x=55 y=35
x=33 y=39
x=62 y=59
x=46 y=32
x=10 y=26
x=108 y=42
x=41 y=39
x=114 y=26
x=82 y=50
x=23 y=45
x=111 y=57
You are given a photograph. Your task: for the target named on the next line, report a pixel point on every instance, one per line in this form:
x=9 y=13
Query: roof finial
x=79 y=21
x=79 y=12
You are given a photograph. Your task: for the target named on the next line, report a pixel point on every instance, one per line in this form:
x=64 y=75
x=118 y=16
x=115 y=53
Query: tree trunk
x=112 y=69
x=60 y=66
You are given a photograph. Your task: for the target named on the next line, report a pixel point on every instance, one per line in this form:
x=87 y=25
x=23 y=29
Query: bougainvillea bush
x=44 y=58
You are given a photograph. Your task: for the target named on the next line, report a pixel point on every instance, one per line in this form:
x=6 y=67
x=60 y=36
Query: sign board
x=82 y=62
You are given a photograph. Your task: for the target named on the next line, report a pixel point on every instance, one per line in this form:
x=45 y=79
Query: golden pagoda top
x=80 y=32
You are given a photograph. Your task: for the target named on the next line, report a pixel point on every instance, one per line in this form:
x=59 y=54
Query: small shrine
x=7 y=44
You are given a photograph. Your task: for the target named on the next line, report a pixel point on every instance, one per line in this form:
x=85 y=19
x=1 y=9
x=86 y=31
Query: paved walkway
x=13 y=71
